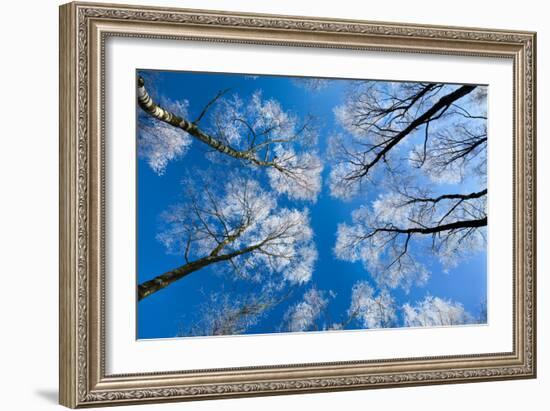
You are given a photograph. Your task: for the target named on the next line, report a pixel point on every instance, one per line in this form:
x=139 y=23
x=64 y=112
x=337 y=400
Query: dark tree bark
x=436 y=110
x=481 y=222
x=442 y=197
x=152 y=108
x=164 y=280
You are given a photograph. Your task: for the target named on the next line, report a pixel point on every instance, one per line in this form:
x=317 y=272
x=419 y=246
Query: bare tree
x=449 y=226
x=454 y=152
x=381 y=116
x=258 y=133
x=230 y=313
x=236 y=225
x=450 y=148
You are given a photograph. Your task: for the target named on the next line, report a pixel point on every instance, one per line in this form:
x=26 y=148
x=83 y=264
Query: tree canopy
x=401 y=168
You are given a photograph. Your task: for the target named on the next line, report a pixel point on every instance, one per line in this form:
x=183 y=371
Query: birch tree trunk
x=151 y=107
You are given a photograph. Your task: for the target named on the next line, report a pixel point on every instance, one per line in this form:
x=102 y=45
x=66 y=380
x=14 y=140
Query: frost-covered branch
x=237 y=226
x=390 y=237
x=305 y=315
x=371 y=310
x=415 y=134
x=259 y=133
x=454 y=153
x=229 y=313
x=434 y=311
x=445 y=124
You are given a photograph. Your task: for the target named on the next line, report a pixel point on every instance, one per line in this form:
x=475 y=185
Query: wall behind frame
x=29 y=196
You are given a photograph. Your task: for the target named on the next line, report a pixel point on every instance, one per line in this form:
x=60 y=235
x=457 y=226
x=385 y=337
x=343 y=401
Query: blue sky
x=165 y=313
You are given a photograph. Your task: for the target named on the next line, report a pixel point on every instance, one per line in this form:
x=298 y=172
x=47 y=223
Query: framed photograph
x=259 y=204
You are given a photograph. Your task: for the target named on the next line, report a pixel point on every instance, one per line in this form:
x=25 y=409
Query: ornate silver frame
x=83 y=30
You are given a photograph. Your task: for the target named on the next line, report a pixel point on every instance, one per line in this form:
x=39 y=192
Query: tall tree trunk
x=149 y=106
x=164 y=280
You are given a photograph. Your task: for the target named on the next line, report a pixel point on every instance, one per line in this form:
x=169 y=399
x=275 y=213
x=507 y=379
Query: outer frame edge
x=68 y=363
x=69 y=331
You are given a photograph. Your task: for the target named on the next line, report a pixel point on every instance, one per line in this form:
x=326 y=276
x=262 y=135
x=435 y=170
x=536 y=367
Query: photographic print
x=274 y=186
x=276 y=204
